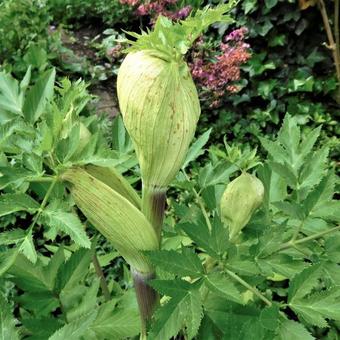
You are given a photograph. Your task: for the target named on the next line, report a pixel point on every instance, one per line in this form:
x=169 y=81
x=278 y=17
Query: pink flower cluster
x=154 y=8
x=218 y=75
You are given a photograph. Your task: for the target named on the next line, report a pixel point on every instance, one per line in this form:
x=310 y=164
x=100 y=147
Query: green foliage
x=22 y=22
x=7 y=322
x=290 y=71
x=279 y=261
x=110 y=12
x=172 y=40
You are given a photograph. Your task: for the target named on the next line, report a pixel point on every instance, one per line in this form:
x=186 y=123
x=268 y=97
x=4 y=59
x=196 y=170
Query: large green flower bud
x=239 y=201
x=160 y=108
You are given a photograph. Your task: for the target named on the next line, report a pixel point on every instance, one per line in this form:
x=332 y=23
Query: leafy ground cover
x=268 y=92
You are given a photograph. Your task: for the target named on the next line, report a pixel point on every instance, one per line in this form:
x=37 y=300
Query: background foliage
x=50 y=286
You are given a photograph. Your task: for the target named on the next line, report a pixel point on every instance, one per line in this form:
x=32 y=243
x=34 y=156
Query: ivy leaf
x=66 y=222
x=290 y=329
x=75 y=329
x=185 y=264
x=10 y=203
x=7 y=322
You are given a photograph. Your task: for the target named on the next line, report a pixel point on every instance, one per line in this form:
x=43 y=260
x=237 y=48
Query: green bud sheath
x=111 y=177
x=239 y=201
x=113 y=216
x=160 y=109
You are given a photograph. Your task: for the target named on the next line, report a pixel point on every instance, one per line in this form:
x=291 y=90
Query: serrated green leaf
x=308 y=142
x=10 y=203
x=27 y=247
x=224 y=287
x=281 y=264
x=286 y=172
x=75 y=329
x=169 y=319
x=304 y=282
x=39 y=303
x=196 y=149
x=116 y=323
x=290 y=329
x=7 y=322
x=28 y=276
x=292 y=209
x=75 y=269
x=7 y=258
x=185 y=264
x=313 y=197
x=9 y=94
x=275 y=150
x=12 y=236
x=313 y=170
x=269 y=317
x=87 y=303
x=194 y=313
x=171 y=287
x=43 y=327
x=68 y=223
x=319 y=306
x=38 y=96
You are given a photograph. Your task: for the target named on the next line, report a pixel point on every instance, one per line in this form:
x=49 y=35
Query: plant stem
x=297 y=231
x=200 y=202
x=290 y=244
x=153 y=206
x=100 y=274
x=147 y=298
x=44 y=202
x=47 y=179
x=336 y=29
x=248 y=286
x=331 y=42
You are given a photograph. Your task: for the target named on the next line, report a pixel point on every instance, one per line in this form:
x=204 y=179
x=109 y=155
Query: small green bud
x=160 y=108
x=239 y=201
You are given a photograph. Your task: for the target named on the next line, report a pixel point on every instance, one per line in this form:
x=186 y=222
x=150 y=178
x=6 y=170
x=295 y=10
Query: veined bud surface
x=239 y=201
x=160 y=109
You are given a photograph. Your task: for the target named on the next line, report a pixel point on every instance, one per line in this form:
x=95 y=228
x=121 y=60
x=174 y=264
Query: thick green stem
x=153 y=206
x=147 y=298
